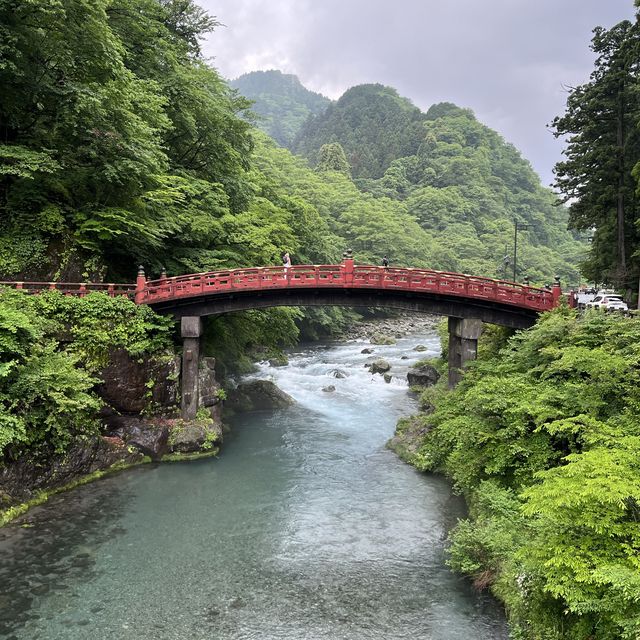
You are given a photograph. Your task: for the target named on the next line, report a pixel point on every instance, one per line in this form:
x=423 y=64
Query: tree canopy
x=543 y=438
x=599 y=177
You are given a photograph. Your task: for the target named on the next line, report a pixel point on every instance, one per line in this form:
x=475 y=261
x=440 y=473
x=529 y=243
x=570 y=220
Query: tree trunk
x=622 y=262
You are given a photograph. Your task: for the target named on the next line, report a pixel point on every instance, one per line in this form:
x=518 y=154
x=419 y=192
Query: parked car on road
x=584 y=296
x=608 y=302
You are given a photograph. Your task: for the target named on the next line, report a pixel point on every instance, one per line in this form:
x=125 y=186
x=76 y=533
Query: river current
x=304 y=528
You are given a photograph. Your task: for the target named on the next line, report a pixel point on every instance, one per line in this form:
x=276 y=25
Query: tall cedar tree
x=603 y=147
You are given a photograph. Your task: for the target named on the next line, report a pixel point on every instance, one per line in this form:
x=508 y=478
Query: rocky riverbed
x=392 y=327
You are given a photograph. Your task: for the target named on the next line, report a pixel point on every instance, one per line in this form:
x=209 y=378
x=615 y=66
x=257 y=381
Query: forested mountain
x=464 y=227
x=463 y=184
x=280 y=101
x=374 y=125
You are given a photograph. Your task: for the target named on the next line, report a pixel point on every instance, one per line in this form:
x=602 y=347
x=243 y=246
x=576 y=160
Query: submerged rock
x=423 y=376
x=329 y=388
x=338 y=373
x=419 y=347
x=367 y=350
x=258 y=395
x=387 y=377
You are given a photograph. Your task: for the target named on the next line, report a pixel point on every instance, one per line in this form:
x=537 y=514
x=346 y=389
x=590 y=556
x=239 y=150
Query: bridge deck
x=341 y=276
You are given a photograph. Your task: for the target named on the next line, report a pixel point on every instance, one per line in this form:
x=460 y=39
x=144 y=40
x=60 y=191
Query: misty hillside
x=280 y=101
x=373 y=124
x=458 y=179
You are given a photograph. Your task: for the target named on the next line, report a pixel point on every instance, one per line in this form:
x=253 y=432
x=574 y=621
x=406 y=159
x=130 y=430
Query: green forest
x=121 y=145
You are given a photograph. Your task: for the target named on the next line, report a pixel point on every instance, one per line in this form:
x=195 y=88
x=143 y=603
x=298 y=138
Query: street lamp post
x=516 y=226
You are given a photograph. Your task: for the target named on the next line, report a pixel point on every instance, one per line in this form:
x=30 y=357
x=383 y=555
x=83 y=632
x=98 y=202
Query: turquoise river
x=304 y=528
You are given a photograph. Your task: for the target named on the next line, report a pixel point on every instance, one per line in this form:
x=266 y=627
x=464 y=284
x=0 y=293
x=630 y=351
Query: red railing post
x=347 y=267
x=556 y=291
x=141 y=285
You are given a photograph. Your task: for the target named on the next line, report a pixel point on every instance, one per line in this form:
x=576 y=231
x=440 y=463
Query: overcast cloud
x=508 y=60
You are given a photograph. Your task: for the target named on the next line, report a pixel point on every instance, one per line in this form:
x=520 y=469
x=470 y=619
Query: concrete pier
x=463 y=345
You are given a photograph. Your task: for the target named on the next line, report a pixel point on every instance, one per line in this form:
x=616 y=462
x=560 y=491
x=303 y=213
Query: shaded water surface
x=306 y=527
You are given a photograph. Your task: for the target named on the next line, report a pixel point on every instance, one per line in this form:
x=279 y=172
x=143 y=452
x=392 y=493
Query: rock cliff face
x=22 y=480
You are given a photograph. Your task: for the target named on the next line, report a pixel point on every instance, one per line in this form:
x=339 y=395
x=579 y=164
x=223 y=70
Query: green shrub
x=51 y=347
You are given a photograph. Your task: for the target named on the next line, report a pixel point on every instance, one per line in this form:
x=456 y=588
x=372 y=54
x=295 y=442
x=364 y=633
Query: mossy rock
x=380 y=338
x=279 y=361
x=380 y=366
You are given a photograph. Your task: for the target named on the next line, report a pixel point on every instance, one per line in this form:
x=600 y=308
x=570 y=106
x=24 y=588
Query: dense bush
x=51 y=349
x=544 y=439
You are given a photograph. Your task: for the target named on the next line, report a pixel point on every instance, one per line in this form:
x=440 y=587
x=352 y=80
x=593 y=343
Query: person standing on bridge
x=385 y=262
x=286 y=261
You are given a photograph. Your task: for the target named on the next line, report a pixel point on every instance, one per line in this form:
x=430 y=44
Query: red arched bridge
x=347 y=284
x=466 y=300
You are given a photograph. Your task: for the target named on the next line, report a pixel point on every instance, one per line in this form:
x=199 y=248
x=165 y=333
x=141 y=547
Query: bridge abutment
x=190 y=330
x=463 y=345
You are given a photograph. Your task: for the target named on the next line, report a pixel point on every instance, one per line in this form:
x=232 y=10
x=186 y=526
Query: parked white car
x=608 y=302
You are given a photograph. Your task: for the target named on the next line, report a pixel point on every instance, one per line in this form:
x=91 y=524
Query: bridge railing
x=345 y=275
x=443 y=282
x=239 y=279
x=336 y=276
x=77 y=289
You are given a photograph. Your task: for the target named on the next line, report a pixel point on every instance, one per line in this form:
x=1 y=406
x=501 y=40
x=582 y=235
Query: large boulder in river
x=257 y=395
x=380 y=366
x=150 y=438
x=423 y=376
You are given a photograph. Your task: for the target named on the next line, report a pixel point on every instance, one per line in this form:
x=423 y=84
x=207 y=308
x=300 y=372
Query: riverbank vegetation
x=542 y=437
x=52 y=349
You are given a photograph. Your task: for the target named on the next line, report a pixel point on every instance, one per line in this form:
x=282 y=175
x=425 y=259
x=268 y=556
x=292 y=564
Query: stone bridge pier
x=463 y=345
x=190 y=330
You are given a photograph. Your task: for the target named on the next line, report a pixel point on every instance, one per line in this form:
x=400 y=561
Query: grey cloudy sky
x=508 y=60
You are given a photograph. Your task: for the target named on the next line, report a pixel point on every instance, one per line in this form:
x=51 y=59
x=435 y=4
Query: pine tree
x=603 y=146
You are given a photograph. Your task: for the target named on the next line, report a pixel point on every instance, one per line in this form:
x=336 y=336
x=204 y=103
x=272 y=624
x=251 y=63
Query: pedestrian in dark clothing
x=385 y=262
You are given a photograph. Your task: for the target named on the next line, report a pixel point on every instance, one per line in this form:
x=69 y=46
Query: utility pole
x=522 y=227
